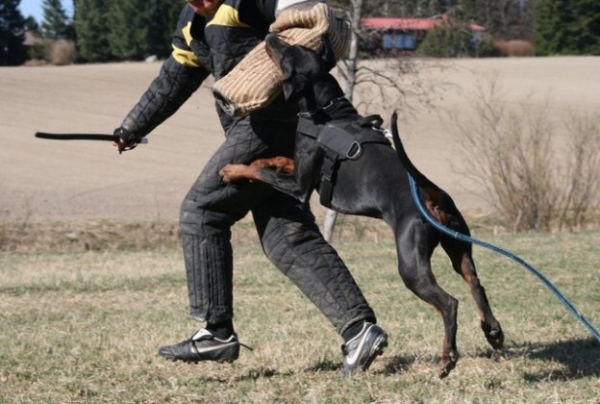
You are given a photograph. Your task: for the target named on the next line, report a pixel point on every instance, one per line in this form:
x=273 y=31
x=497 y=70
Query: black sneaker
x=360 y=351
x=203 y=346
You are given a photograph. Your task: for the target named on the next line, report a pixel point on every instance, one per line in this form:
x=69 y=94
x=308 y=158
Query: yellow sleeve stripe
x=186 y=58
x=227 y=16
x=187 y=34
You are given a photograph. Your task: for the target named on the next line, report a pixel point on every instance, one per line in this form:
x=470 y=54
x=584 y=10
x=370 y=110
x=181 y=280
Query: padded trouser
x=288 y=233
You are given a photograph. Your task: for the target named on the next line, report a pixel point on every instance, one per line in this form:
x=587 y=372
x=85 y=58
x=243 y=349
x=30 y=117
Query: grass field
x=85 y=326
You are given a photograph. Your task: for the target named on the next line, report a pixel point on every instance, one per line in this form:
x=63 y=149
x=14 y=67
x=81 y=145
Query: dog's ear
x=294 y=81
x=289 y=73
x=288 y=89
x=293 y=85
x=327 y=53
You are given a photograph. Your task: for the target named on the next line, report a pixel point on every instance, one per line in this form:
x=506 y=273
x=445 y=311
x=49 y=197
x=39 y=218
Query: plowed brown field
x=45 y=179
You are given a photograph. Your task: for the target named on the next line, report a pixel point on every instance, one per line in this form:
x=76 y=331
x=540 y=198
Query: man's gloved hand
x=127 y=140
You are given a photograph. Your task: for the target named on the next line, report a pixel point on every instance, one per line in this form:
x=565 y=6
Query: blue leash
x=471 y=240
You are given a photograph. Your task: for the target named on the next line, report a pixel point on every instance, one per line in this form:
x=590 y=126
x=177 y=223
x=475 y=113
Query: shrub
x=514 y=48
x=61 y=52
x=447 y=40
x=37 y=52
x=512 y=154
x=486 y=48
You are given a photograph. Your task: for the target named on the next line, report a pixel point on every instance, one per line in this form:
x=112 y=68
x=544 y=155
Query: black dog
x=361 y=174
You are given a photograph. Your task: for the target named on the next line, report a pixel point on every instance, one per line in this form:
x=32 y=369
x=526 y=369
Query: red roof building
x=407 y=24
x=393 y=36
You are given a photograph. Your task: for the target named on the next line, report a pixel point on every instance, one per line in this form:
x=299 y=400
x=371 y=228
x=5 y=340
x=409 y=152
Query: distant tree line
x=117 y=30
x=108 y=30
x=102 y=30
x=556 y=27
x=12 y=33
x=570 y=27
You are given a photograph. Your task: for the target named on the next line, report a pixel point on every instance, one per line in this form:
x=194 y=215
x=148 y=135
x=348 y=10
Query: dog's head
x=300 y=66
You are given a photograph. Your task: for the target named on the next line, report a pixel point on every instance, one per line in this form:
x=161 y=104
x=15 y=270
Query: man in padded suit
x=211 y=37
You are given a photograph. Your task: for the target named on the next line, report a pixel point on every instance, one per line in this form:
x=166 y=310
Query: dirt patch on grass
x=111 y=235
x=87 y=236
x=107 y=235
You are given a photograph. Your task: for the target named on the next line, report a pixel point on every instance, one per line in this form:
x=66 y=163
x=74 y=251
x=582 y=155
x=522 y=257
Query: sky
x=34 y=8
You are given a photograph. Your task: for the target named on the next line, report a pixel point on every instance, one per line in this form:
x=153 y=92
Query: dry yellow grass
x=84 y=327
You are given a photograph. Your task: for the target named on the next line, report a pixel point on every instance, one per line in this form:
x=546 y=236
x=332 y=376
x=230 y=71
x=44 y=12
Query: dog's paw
x=493 y=334
x=447 y=364
x=236 y=172
x=228 y=173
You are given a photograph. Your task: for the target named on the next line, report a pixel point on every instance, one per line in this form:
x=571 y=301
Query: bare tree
x=348 y=71
x=379 y=85
x=503 y=19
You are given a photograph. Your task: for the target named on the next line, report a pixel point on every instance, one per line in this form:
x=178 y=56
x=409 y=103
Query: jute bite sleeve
x=256 y=81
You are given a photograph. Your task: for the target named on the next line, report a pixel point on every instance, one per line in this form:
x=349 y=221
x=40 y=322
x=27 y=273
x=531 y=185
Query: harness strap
x=328 y=172
x=307 y=127
x=340 y=144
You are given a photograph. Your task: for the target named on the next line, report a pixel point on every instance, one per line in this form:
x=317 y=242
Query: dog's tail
x=414 y=172
x=437 y=202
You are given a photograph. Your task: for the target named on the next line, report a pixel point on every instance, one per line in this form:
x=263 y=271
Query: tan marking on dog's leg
x=279 y=164
x=237 y=172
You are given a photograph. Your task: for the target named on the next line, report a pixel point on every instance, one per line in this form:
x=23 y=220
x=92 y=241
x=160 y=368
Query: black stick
x=81 y=136
x=76 y=136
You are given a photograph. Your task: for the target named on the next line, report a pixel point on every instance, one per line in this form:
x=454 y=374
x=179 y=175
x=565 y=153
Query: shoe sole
x=195 y=361
x=228 y=356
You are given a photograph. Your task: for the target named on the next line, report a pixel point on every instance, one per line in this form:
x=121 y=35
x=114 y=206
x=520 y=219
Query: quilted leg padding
x=209 y=264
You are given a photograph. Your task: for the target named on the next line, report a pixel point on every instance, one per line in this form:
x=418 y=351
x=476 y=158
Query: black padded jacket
x=202 y=47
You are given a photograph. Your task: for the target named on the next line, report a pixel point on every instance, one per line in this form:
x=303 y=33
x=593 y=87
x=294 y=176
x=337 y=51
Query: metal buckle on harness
x=354 y=151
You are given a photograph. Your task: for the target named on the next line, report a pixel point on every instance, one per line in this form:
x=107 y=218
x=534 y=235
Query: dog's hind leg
x=415 y=242
x=460 y=254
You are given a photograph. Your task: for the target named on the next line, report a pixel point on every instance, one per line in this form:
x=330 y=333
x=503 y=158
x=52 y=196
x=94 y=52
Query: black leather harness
x=341 y=144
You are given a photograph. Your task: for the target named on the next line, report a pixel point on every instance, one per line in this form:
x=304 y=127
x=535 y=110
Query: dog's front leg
x=279 y=164
x=237 y=172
